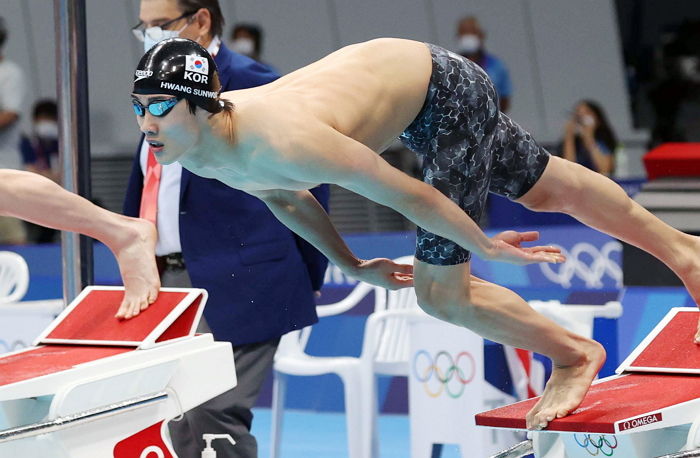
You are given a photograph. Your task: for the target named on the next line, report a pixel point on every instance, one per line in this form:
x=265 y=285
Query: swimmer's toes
x=530 y=420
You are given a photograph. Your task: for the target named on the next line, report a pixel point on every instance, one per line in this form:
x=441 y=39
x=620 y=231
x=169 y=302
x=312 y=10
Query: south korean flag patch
x=197 y=64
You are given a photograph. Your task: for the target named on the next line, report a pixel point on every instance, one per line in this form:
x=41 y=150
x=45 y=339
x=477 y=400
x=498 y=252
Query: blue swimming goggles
x=158 y=108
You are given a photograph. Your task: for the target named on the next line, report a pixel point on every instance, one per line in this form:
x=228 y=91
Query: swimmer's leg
x=451 y=293
x=598 y=202
x=525 y=172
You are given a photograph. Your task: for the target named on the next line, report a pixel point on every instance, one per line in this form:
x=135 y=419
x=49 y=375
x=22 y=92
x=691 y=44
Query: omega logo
x=640 y=421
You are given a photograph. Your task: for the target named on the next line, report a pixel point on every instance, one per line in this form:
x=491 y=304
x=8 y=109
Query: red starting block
x=95 y=386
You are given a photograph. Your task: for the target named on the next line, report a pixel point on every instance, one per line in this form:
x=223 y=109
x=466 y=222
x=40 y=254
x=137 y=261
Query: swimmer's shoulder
x=387 y=45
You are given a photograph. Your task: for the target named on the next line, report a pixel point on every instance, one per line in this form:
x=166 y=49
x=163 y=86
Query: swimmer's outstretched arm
x=37 y=199
x=355 y=167
x=301 y=212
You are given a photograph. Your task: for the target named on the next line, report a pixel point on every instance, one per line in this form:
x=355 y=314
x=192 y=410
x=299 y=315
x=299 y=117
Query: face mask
x=468 y=44
x=46 y=129
x=689 y=67
x=153 y=35
x=244 y=46
x=587 y=120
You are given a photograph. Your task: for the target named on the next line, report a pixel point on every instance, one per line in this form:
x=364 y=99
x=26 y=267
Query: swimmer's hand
x=135 y=253
x=508 y=248
x=697 y=334
x=384 y=272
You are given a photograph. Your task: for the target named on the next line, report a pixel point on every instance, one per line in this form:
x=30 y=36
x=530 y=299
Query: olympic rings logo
x=591 y=273
x=444 y=374
x=595 y=446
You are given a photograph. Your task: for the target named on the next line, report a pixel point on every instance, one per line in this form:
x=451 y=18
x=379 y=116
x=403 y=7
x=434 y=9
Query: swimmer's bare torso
x=326 y=123
x=309 y=127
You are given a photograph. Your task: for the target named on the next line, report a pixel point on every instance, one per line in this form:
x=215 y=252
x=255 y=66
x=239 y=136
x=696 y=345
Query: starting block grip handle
x=688 y=454
x=520 y=450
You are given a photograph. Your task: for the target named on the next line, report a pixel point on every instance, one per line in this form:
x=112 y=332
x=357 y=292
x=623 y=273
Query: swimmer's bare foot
x=566 y=387
x=135 y=253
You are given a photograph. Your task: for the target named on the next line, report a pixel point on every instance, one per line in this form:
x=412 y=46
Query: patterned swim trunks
x=468 y=148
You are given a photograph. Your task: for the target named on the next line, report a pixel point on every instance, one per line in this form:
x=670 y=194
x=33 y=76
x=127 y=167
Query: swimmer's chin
x=164 y=159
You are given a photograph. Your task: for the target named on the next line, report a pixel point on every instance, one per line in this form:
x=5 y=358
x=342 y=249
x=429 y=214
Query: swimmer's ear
x=223 y=122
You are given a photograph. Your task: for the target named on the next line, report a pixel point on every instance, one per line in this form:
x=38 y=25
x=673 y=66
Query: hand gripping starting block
x=650 y=408
x=93 y=386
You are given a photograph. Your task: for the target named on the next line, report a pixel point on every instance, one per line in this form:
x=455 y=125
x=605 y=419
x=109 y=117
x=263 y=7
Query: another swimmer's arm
x=35 y=198
x=39 y=200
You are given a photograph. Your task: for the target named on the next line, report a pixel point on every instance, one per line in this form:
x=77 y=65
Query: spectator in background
x=260 y=277
x=247 y=39
x=589 y=139
x=40 y=155
x=12 y=96
x=470 y=44
x=40 y=148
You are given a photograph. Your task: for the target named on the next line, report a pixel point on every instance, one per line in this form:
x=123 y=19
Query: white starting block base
x=582 y=445
x=94 y=386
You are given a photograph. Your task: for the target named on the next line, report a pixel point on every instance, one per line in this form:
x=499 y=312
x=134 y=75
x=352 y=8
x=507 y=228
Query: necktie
x=149 y=198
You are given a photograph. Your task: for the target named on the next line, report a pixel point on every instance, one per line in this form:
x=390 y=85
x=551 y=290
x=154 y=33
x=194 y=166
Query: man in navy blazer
x=260 y=277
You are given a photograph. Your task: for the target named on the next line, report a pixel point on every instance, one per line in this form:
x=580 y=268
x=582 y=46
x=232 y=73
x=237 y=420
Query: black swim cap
x=180 y=67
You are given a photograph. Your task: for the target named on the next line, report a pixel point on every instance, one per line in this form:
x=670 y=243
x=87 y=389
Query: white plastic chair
x=577 y=318
x=385 y=351
x=14 y=277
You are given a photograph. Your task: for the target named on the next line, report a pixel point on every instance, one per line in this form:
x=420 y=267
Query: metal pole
x=74 y=134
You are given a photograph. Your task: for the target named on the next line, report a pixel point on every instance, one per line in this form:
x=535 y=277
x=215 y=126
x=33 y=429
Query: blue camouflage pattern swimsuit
x=468 y=147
